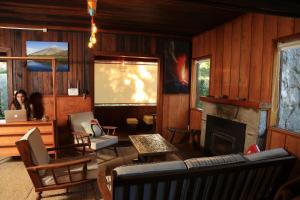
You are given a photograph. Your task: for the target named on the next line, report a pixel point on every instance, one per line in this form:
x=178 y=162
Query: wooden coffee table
x=151 y=145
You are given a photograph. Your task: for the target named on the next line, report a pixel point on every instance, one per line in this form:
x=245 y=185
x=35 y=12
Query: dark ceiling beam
x=289 y=8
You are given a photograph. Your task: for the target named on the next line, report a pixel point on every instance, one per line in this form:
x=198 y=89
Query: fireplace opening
x=224 y=136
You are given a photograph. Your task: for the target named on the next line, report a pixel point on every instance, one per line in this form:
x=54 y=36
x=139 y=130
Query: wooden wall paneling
x=74 y=57
x=109 y=42
x=46 y=75
x=219 y=61
x=292 y=145
x=152 y=46
x=245 y=56
x=195 y=119
x=17 y=51
x=65 y=74
x=235 y=58
x=194 y=46
x=175 y=112
x=207 y=43
x=226 y=59
x=270 y=33
x=71 y=68
x=285 y=26
x=256 y=57
x=297 y=25
x=277 y=140
x=202 y=52
x=213 y=43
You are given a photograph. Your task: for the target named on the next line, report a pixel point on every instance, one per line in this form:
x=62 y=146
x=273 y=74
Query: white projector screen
x=125 y=82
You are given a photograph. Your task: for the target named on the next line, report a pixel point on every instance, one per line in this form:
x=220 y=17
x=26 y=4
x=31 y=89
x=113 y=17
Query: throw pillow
x=95 y=131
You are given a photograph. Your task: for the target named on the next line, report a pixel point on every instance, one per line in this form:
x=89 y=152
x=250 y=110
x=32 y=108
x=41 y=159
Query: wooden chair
x=49 y=174
x=86 y=129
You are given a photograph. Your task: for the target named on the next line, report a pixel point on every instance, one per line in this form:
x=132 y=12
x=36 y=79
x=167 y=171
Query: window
x=3 y=89
x=201 y=73
x=289 y=86
x=125 y=82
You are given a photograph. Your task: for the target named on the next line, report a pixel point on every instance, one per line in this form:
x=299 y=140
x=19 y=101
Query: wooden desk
x=151 y=145
x=13 y=131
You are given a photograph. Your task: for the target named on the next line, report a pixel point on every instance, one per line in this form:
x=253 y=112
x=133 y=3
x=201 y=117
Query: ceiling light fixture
x=92 y=6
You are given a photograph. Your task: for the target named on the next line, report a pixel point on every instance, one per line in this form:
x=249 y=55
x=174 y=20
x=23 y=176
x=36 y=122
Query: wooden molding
x=247 y=104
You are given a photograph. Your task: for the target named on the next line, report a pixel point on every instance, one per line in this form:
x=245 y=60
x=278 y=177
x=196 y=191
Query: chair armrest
x=63 y=164
x=66 y=147
x=101 y=181
x=110 y=129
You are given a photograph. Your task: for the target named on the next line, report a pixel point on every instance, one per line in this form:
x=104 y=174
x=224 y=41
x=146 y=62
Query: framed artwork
x=176 y=67
x=59 y=50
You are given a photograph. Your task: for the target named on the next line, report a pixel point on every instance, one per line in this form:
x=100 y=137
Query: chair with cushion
x=87 y=129
x=50 y=174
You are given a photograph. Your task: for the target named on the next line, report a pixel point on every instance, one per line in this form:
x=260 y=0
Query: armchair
x=86 y=129
x=49 y=174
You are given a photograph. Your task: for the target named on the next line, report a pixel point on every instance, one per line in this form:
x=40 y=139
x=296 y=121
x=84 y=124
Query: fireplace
x=224 y=136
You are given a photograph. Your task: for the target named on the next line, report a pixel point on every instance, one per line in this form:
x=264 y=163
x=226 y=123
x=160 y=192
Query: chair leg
x=116 y=151
x=39 y=195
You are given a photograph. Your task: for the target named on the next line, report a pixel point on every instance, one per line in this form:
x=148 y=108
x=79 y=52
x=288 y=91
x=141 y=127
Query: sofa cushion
x=194 y=163
x=268 y=154
x=149 y=168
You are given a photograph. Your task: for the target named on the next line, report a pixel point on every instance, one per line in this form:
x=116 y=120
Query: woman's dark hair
x=17 y=104
x=15 y=101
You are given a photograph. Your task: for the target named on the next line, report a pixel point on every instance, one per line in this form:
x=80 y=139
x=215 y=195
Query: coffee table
x=151 y=145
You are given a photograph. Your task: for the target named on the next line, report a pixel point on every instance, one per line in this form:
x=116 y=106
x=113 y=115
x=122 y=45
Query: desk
x=151 y=145
x=13 y=131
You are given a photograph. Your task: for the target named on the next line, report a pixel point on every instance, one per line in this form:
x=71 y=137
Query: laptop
x=15 y=115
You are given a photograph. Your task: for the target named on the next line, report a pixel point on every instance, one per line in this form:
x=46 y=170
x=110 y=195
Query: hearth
x=224 y=136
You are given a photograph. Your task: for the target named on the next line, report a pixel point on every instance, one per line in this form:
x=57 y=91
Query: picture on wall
x=59 y=50
x=176 y=67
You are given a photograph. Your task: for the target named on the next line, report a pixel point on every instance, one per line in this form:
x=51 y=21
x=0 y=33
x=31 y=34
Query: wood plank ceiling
x=174 y=17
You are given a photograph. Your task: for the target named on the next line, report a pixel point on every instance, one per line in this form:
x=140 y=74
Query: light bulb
x=90 y=45
x=94 y=28
x=93 y=39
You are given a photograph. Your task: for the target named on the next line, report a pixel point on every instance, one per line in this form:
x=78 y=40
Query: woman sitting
x=20 y=102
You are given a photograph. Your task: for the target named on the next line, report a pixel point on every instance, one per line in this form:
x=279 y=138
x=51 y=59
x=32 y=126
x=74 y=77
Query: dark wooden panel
x=226 y=59
x=270 y=33
x=195 y=119
x=219 y=61
x=297 y=25
x=213 y=41
x=235 y=58
x=245 y=56
x=256 y=57
x=285 y=26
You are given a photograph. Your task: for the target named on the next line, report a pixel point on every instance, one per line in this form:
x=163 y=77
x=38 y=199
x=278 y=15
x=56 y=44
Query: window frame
x=193 y=94
x=6 y=52
x=279 y=45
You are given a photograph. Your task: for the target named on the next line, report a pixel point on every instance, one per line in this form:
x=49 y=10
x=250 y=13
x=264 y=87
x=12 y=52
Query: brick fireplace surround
x=255 y=120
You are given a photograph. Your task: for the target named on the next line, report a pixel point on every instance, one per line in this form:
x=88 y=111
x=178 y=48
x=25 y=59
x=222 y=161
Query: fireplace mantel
x=247 y=104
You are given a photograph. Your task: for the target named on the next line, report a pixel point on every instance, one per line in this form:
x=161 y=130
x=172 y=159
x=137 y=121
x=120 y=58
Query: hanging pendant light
x=92 y=6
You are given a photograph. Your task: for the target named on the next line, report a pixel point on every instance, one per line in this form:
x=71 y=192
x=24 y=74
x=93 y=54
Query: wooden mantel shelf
x=247 y=104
